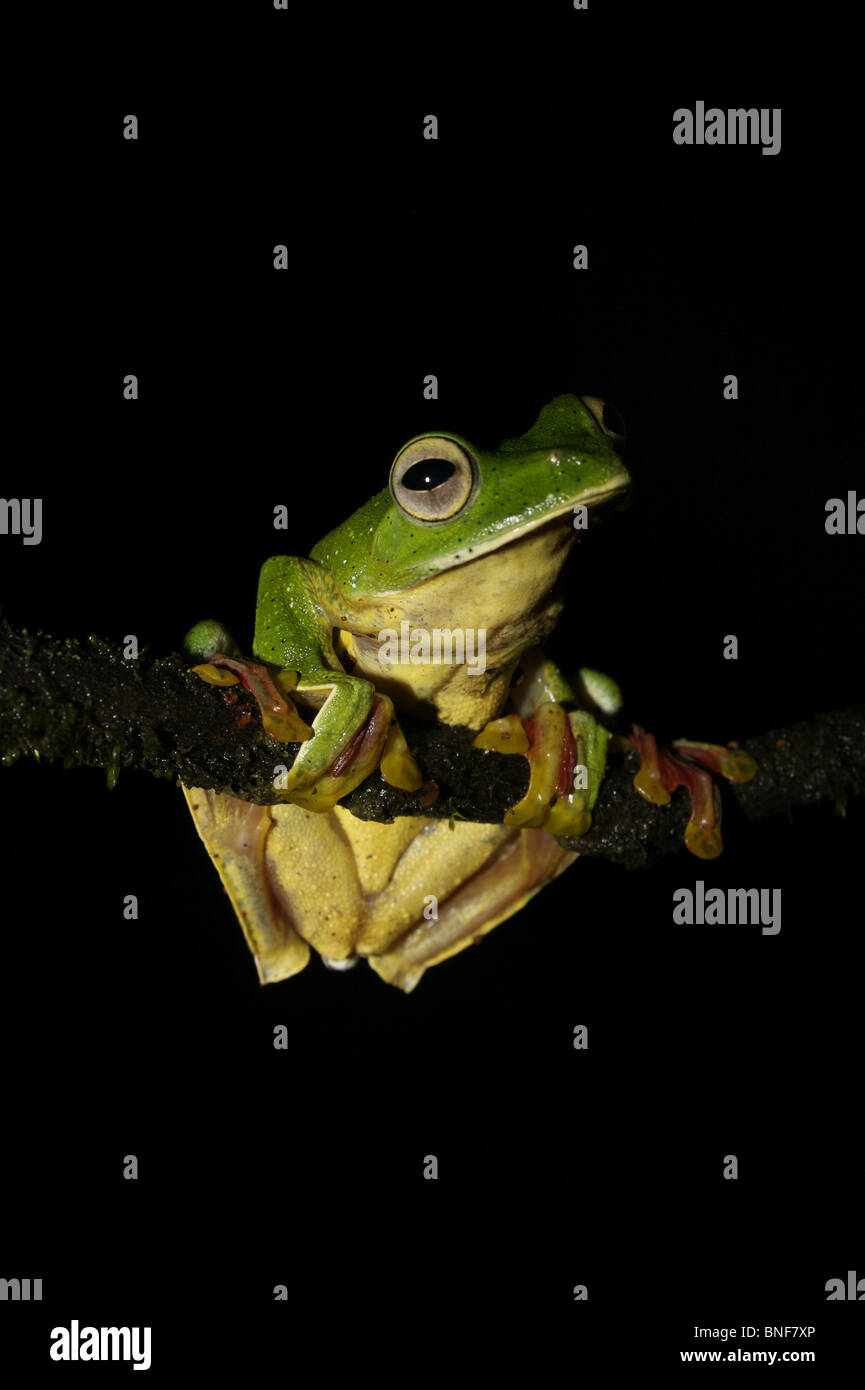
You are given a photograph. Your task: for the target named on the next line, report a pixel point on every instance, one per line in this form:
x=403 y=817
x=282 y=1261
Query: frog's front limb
x=566 y=748
x=298 y=607
x=559 y=743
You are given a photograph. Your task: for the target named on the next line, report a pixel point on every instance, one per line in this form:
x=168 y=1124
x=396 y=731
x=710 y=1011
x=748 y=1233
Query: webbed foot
x=353 y=732
x=566 y=749
x=690 y=766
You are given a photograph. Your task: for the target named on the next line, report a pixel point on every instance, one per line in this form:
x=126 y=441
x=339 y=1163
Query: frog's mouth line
x=550 y=520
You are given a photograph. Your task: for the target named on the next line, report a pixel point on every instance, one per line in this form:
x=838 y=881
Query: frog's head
x=449 y=503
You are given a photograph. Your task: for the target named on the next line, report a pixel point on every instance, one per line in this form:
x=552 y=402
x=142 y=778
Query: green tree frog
x=459 y=539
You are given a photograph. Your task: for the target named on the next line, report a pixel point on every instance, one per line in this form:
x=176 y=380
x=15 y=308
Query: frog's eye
x=606 y=416
x=432 y=478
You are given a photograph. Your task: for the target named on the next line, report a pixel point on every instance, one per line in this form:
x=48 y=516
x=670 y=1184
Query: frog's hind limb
x=523 y=864
x=235 y=836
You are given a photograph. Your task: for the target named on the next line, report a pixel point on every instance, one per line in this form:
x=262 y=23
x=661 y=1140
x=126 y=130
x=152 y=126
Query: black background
x=454 y=257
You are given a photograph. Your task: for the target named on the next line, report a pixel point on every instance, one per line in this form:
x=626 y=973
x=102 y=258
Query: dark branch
x=84 y=704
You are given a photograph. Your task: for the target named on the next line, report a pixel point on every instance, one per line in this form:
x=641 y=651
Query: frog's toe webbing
x=556 y=744
x=523 y=863
x=278 y=713
x=235 y=835
x=662 y=770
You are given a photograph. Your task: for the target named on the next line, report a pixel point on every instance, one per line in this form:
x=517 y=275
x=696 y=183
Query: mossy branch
x=84 y=704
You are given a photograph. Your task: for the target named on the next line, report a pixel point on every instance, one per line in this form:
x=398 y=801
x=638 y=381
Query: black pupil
x=613 y=420
x=429 y=473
